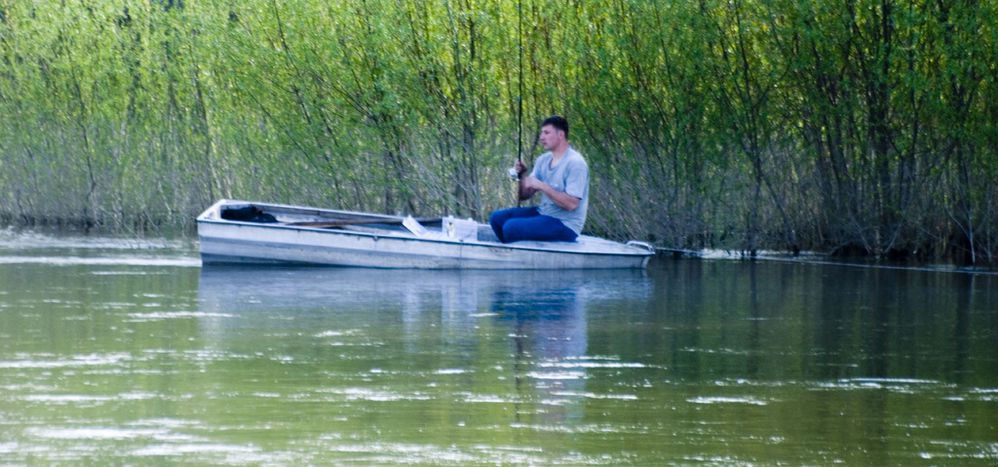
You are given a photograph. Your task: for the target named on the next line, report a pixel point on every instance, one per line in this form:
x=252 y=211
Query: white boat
x=233 y=231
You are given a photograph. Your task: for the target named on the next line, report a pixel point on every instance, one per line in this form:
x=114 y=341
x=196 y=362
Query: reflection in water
x=540 y=314
x=546 y=307
x=223 y=288
x=549 y=335
x=130 y=361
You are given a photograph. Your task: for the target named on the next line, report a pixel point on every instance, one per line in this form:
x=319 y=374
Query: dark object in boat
x=248 y=214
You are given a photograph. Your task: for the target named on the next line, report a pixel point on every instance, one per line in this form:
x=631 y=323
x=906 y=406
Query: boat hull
x=223 y=241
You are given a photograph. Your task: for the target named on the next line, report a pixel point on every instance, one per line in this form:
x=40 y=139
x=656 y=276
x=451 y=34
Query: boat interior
x=337 y=220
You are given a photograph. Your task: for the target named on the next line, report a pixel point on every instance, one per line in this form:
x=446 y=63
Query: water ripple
x=184 y=262
x=74 y=361
x=727 y=400
x=157 y=316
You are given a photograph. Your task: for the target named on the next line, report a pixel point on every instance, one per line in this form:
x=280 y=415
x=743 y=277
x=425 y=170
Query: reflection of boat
x=288 y=234
x=457 y=297
x=520 y=337
x=246 y=289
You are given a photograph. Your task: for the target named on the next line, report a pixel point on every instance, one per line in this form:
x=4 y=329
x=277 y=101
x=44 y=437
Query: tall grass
x=866 y=127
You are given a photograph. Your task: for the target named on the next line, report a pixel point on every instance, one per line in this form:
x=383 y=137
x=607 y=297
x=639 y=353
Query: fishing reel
x=513 y=174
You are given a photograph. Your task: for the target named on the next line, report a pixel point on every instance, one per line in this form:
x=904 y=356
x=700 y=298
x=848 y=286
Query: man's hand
x=531 y=185
x=521 y=168
x=528 y=185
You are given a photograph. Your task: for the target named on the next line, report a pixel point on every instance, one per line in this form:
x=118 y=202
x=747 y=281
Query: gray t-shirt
x=570 y=175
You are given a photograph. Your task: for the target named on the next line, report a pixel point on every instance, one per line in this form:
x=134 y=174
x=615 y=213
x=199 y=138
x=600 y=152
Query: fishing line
x=519 y=97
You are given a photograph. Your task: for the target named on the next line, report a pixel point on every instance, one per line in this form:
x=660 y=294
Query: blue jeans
x=515 y=224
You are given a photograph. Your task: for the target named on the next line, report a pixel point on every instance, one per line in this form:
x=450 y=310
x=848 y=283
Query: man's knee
x=497 y=220
x=496 y=217
x=511 y=231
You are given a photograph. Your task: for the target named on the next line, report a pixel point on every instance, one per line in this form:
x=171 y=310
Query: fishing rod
x=519 y=82
x=513 y=173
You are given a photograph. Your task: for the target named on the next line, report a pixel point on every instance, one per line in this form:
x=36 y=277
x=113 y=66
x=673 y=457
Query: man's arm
x=564 y=200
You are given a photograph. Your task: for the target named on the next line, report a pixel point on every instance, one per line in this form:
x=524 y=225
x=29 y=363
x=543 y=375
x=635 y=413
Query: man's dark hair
x=558 y=122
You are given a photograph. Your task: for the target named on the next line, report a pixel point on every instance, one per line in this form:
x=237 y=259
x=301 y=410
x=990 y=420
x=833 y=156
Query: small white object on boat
x=233 y=231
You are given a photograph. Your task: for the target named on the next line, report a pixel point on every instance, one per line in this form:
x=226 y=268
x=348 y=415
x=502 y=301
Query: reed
x=865 y=127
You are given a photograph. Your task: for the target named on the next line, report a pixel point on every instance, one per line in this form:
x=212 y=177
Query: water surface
x=126 y=351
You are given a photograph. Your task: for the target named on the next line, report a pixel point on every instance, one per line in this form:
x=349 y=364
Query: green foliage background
x=865 y=126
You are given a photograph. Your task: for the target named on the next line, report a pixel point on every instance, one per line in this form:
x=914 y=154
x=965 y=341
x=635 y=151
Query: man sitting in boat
x=561 y=175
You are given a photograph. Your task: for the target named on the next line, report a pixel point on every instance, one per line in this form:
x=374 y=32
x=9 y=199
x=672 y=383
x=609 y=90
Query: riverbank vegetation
x=860 y=127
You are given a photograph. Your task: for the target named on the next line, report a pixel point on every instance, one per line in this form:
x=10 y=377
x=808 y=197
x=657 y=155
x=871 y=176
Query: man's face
x=551 y=137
